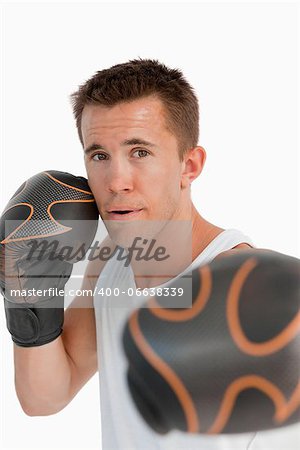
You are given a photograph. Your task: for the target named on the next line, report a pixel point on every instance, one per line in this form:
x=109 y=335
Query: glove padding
x=50 y=213
x=228 y=364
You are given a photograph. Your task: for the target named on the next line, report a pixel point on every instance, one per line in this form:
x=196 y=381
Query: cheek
x=93 y=185
x=96 y=188
x=166 y=174
x=165 y=194
x=92 y=175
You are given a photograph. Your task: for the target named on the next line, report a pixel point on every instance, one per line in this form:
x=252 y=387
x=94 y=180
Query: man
x=138 y=124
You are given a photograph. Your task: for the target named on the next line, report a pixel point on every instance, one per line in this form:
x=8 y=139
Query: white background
x=242 y=60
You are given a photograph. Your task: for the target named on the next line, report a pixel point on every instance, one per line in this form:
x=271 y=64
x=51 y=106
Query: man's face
x=132 y=162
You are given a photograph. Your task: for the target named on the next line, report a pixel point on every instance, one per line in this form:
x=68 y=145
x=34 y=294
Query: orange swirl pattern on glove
x=220 y=366
x=39 y=207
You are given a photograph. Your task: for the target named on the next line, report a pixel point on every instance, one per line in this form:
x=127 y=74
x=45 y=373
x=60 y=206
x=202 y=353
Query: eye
x=99 y=157
x=142 y=153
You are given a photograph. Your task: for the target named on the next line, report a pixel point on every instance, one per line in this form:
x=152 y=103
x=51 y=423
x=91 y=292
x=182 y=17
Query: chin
x=124 y=233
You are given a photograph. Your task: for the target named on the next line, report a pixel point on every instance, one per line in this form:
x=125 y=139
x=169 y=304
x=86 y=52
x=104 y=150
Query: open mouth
x=124 y=214
x=121 y=212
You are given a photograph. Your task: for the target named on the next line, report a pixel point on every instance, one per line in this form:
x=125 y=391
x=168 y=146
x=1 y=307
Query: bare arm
x=49 y=376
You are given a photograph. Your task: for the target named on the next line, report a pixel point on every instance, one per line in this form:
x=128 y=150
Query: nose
x=119 y=177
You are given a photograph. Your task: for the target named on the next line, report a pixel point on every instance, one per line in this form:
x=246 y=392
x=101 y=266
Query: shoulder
x=242 y=246
x=98 y=261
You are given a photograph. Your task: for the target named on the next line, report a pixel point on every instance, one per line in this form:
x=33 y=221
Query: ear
x=192 y=164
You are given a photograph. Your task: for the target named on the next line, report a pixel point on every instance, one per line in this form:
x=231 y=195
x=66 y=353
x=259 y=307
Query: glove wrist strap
x=32 y=325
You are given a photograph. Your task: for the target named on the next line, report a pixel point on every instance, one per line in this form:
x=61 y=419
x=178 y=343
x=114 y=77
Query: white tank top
x=122 y=426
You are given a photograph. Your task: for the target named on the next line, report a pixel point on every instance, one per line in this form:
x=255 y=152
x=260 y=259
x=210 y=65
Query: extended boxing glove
x=231 y=362
x=48 y=225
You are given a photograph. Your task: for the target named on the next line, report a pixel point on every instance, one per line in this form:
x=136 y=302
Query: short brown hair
x=140 y=78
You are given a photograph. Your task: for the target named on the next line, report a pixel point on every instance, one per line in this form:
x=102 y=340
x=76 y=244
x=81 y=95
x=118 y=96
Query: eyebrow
x=132 y=141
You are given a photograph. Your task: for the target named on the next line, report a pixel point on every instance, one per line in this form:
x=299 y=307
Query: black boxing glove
x=47 y=225
x=228 y=364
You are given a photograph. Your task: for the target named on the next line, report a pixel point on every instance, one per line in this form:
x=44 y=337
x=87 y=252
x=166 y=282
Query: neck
x=203 y=232
x=183 y=241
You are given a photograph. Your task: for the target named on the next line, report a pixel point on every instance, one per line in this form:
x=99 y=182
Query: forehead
x=146 y=114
